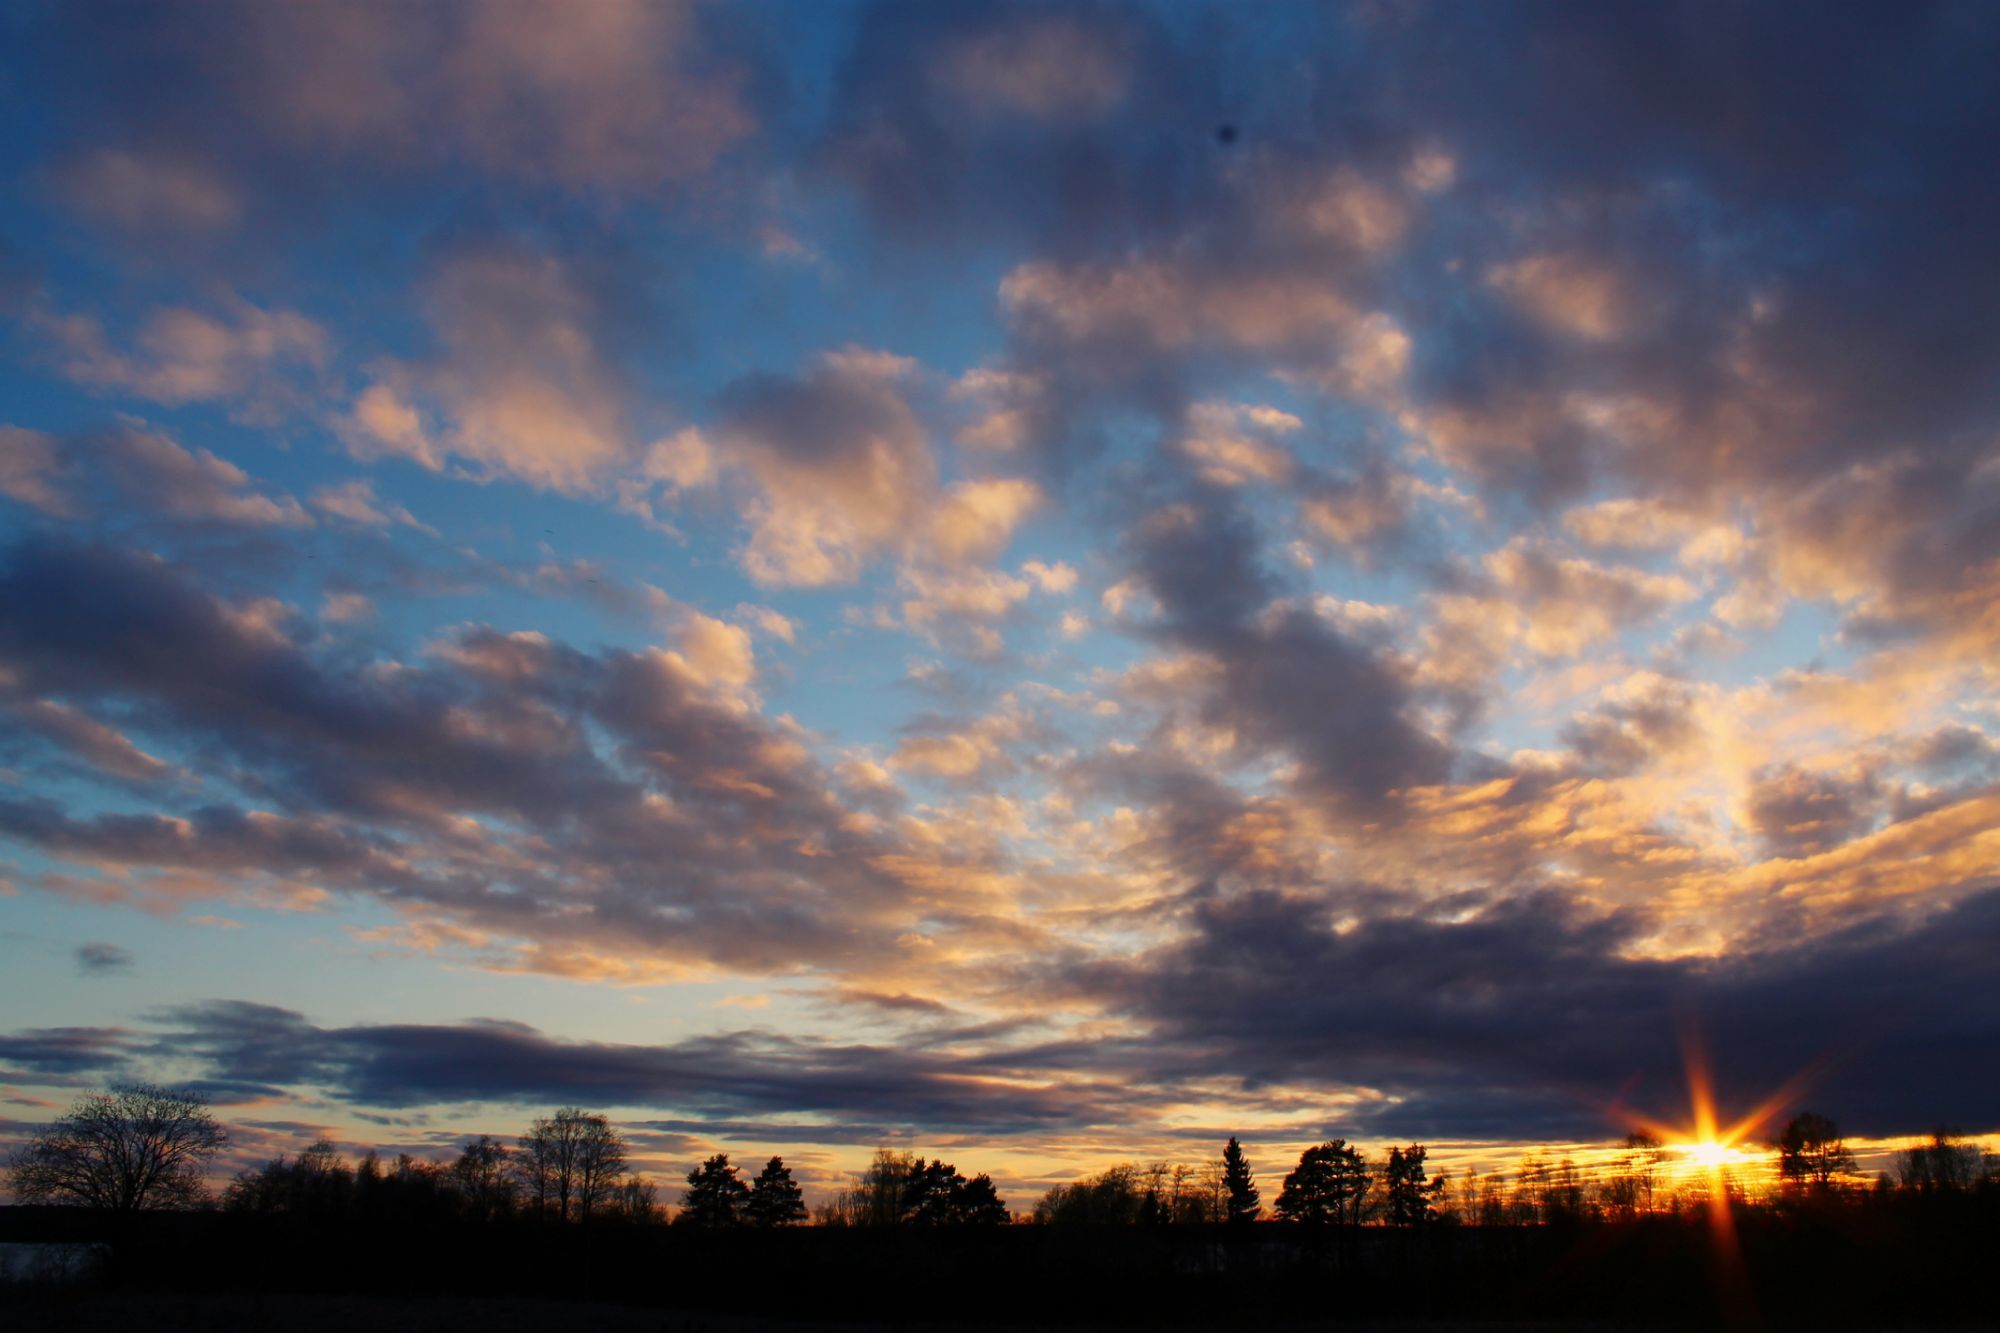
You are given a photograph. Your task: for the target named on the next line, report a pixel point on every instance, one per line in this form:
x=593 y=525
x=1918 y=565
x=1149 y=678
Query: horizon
x=1041 y=585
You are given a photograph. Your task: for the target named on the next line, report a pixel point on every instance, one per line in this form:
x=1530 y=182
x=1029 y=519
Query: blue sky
x=1046 y=581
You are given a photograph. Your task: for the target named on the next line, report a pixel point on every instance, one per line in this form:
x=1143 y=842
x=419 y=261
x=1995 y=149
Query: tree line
x=141 y=1146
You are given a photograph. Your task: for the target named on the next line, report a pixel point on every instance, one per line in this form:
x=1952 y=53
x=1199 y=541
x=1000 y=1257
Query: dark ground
x=109 y=1311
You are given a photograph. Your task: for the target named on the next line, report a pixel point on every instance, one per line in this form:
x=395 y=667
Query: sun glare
x=1713 y=1155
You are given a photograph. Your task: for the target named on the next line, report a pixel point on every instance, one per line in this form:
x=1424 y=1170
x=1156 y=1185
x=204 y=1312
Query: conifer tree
x=1412 y=1198
x=1240 y=1184
x=716 y=1195
x=1328 y=1185
x=775 y=1199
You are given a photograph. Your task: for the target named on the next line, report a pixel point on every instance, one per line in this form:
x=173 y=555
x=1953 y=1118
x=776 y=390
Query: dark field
x=1899 y=1263
x=102 y=1312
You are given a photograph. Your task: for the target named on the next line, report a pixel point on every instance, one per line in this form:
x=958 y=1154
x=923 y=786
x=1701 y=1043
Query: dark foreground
x=1884 y=1266
x=104 y=1312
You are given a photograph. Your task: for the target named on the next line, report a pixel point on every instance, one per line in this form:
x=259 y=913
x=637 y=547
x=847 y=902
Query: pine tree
x=1242 y=1187
x=1328 y=1185
x=979 y=1204
x=775 y=1199
x=716 y=1195
x=1412 y=1198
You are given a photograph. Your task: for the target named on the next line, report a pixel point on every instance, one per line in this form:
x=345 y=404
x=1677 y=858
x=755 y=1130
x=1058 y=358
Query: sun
x=1713 y=1154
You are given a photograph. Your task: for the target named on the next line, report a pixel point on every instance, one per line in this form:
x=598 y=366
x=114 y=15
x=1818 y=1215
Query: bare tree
x=137 y=1146
x=570 y=1162
x=1943 y=1165
x=480 y=1174
x=1630 y=1189
x=1812 y=1153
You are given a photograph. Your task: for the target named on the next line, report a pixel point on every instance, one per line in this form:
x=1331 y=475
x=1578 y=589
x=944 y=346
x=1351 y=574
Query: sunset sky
x=1046 y=584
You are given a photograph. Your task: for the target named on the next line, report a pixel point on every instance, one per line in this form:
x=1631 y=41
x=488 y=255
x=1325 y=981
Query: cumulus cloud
x=841 y=469
x=1538 y=534
x=622 y=98
x=522 y=386
x=243 y=354
x=707 y=834
x=29 y=462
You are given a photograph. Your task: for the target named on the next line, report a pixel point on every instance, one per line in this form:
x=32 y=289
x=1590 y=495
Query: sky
x=1044 y=584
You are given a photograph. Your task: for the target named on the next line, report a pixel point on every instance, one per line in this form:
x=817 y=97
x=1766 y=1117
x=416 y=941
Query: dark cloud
x=369 y=771
x=56 y=1055
x=1534 y=1013
x=1799 y=813
x=97 y=958
x=1055 y=124
x=724 y=1075
x=1286 y=679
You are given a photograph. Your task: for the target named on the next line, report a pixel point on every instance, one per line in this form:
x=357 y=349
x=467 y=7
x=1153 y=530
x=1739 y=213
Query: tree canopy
x=775 y=1199
x=1329 y=1185
x=137 y=1146
x=1812 y=1153
x=1411 y=1199
x=716 y=1195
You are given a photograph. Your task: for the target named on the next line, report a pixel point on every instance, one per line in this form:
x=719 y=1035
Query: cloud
x=523 y=386
x=1416 y=441
x=1527 y=1013
x=29 y=463
x=75 y=731
x=97 y=958
x=626 y=98
x=1047 y=68
x=1569 y=294
x=725 y=1074
x=701 y=832
x=154 y=471
x=149 y=194
x=357 y=502
x=840 y=462
x=1357 y=740
x=1558 y=606
x=262 y=361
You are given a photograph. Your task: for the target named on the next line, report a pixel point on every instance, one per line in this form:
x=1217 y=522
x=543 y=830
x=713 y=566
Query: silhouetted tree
x=1198 y=1195
x=632 y=1199
x=1112 y=1197
x=775 y=1199
x=1562 y=1196
x=570 y=1161
x=1412 y=1199
x=482 y=1178
x=1240 y=1184
x=1630 y=1188
x=877 y=1199
x=980 y=1204
x=716 y=1196
x=930 y=1194
x=319 y=1183
x=136 y=1146
x=1943 y=1165
x=1329 y=1185
x=936 y=1194
x=1811 y=1152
